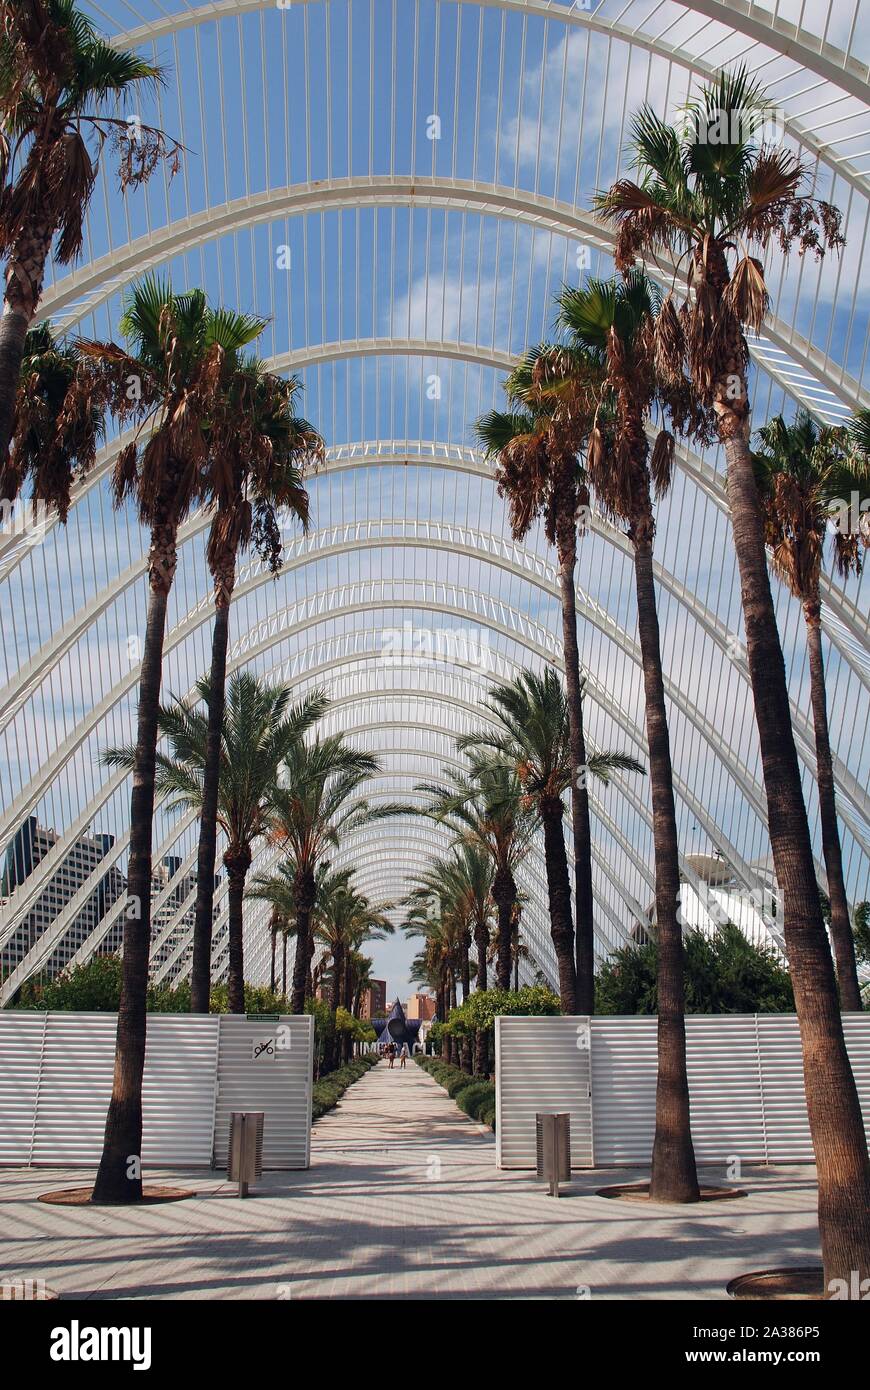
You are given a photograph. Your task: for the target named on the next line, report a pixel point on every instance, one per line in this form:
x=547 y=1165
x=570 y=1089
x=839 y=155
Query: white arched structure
x=400 y=186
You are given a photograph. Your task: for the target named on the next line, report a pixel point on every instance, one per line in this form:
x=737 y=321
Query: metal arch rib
x=105 y=276
x=454 y=539
x=246 y=647
x=820 y=57
x=466 y=460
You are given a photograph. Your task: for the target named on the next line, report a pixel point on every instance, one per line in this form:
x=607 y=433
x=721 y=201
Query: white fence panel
x=745 y=1082
x=21 y=1041
x=56 y=1080
x=276 y=1082
x=542 y=1064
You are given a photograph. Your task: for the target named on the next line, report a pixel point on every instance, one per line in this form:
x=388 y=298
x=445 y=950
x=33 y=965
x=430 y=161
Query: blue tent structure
x=396 y=1028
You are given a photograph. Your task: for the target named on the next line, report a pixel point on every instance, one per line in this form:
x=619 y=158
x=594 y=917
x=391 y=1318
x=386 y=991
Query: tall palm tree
x=611 y=323
x=532 y=712
x=536 y=447
x=169 y=383
x=315 y=804
x=342 y=920
x=804 y=475
x=439 y=963
x=484 y=808
x=58 y=422
x=59 y=84
x=258 y=448
x=258 y=728
x=709 y=202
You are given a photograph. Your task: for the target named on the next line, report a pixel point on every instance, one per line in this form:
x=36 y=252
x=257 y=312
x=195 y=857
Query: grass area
x=474 y=1095
x=329 y=1089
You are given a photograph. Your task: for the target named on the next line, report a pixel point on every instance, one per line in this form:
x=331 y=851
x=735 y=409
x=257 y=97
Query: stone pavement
x=402 y=1199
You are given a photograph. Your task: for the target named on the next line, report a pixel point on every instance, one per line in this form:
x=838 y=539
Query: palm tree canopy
x=260 y=727
x=315 y=801
x=58 y=424
x=484 y=809
x=59 y=85
x=807 y=476
x=707 y=191
x=532 y=713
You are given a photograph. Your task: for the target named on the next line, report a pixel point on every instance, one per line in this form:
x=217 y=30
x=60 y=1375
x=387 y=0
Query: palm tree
x=169 y=384
x=439 y=962
x=803 y=474
x=58 y=422
x=58 y=79
x=455 y=890
x=314 y=805
x=536 y=446
x=483 y=808
x=259 y=727
x=258 y=448
x=533 y=740
x=342 y=920
x=611 y=323
x=709 y=202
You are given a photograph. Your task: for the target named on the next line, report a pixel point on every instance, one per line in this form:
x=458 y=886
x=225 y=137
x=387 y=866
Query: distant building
x=28 y=847
x=373 y=1001
x=182 y=895
x=420 y=1006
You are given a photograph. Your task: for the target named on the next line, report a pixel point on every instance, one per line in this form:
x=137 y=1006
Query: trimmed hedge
x=328 y=1091
x=474 y=1095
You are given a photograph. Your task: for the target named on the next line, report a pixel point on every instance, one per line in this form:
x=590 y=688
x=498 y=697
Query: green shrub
x=473 y=1098
x=327 y=1092
x=458 y=1082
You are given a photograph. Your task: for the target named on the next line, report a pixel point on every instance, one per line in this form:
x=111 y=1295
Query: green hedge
x=329 y=1089
x=474 y=1095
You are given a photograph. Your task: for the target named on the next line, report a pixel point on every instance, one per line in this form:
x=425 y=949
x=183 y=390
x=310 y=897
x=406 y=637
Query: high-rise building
x=31 y=843
x=373 y=1001
x=420 y=1006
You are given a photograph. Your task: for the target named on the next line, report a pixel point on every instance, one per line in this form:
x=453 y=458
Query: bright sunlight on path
x=403 y=1199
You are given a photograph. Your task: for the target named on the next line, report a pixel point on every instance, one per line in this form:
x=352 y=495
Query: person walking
x=403 y=1056
x=391 y=1054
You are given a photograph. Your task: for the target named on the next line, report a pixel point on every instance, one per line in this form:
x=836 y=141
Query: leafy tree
x=724 y=974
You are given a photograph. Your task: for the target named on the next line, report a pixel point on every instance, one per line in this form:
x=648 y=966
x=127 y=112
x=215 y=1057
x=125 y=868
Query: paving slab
x=403 y=1199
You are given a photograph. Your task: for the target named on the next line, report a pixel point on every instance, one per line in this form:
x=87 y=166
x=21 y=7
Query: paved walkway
x=402 y=1198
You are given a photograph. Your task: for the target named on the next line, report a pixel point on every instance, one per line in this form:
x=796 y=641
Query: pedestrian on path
x=403 y=1056
x=391 y=1054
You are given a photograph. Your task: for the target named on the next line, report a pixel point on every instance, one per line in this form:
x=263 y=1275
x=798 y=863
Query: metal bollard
x=553 y=1134
x=245 y=1157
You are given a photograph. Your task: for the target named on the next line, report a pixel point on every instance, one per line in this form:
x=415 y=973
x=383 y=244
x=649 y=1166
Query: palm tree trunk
x=580 y=819
x=841 y=925
x=238 y=861
x=119 y=1177
x=200 y=971
x=273 y=932
x=25 y=271
x=481 y=945
x=504 y=893
x=481 y=1058
x=304 y=895
x=833 y=1108
x=674 y=1175
x=284 y=964
x=559 y=898
x=465 y=965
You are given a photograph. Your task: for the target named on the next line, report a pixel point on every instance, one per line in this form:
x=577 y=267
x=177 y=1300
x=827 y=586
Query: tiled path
x=402 y=1198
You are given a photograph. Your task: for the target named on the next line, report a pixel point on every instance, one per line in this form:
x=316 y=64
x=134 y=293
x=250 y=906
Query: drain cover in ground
x=806 y=1281
x=81 y=1197
x=639 y=1192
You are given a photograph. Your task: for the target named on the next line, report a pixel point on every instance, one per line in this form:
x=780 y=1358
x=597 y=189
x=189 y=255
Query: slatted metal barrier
x=56 y=1080
x=745 y=1081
